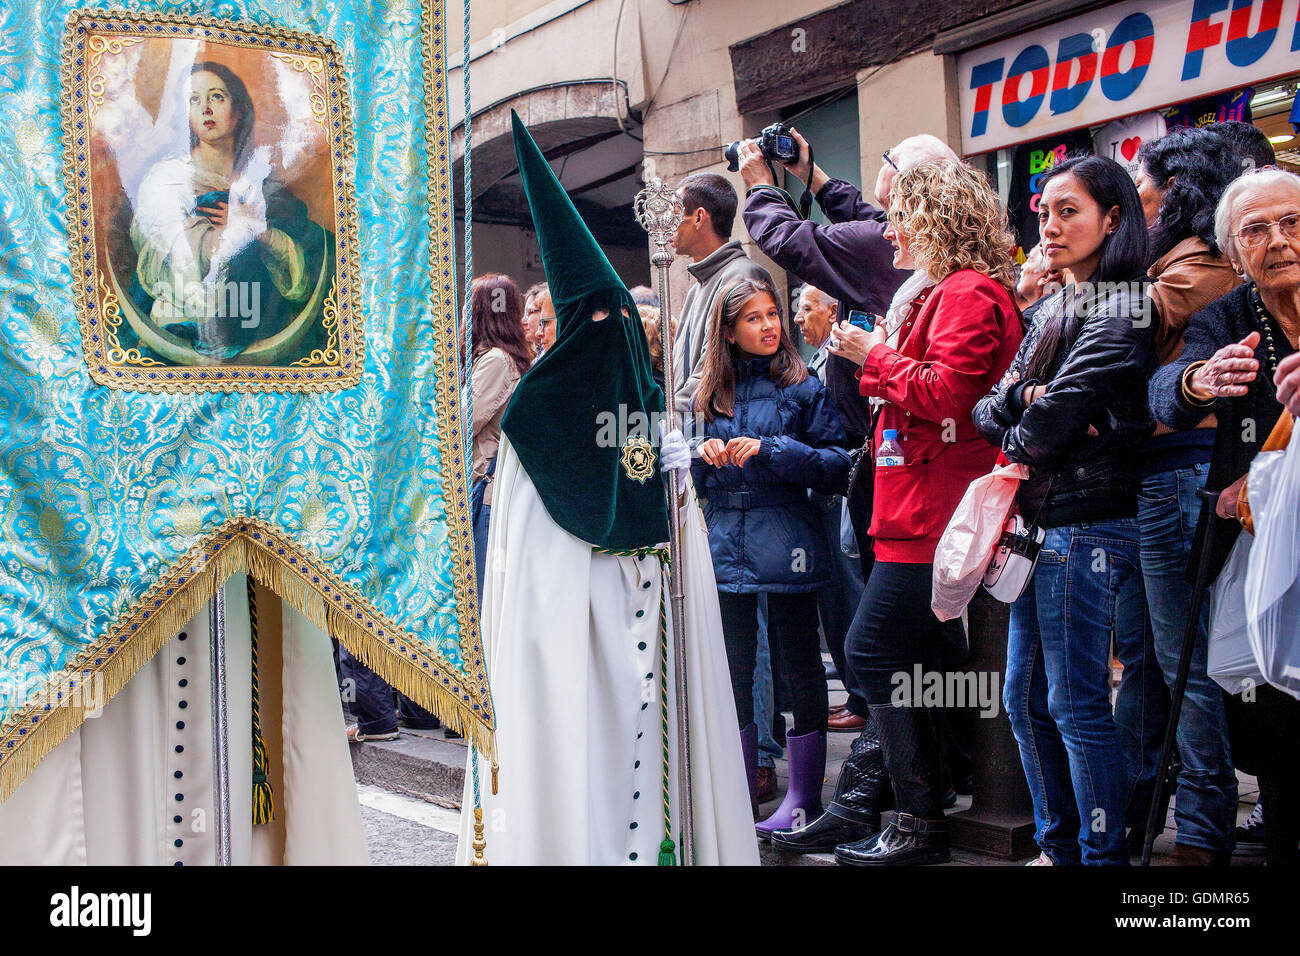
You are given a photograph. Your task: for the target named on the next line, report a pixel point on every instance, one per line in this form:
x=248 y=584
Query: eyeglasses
x=1258 y=233
x=885 y=156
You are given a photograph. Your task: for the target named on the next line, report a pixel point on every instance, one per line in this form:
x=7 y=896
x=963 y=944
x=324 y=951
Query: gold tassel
x=479 y=844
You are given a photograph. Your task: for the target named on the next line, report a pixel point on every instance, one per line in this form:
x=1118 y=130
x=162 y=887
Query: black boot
x=907 y=841
x=919 y=833
x=861 y=793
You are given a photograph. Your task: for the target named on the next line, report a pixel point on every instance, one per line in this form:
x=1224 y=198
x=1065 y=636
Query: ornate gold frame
x=91 y=34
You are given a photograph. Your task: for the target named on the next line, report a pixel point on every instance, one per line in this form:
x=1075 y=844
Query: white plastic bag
x=1231 y=662
x=971 y=537
x=1273 y=574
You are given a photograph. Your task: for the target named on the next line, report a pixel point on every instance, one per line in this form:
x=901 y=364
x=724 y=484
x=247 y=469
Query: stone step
x=768 y=856
x=419 y=763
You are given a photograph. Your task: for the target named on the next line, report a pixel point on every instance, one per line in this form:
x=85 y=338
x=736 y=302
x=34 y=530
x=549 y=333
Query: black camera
x=777 y=144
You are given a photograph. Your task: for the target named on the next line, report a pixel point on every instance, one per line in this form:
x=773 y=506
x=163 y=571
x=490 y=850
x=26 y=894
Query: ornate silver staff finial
x=659 y=211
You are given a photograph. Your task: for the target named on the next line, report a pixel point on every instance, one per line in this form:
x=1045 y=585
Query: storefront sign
x=1119 y=60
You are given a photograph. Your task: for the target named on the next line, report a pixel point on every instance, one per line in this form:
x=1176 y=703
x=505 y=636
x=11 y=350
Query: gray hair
x=1259 y=180
x=822 y=295
x=922 y=148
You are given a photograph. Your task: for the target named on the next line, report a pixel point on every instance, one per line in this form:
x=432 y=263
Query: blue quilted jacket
x=763 y=531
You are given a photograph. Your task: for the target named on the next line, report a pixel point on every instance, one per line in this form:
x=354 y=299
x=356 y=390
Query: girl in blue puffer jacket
x=766 y=432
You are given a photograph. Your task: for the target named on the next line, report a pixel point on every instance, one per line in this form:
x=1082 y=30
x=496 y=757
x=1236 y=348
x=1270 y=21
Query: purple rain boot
x=803 y=792
x=749 y=750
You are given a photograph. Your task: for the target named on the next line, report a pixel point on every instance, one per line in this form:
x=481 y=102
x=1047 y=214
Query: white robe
x=109 y=794
x=574 y=673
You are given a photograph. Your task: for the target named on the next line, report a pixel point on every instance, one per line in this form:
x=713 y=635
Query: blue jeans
x=1088 y=585
x=374 y=704
x=838 y=601
x=1205 y=803
x=1141 y=707
x=480 y=517
x=765 y=693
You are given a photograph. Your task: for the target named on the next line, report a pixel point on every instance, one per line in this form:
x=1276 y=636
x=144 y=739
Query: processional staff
x=660 y=211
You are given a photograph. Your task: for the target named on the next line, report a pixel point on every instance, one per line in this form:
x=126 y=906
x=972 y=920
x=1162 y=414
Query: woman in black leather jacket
x=1073 y=408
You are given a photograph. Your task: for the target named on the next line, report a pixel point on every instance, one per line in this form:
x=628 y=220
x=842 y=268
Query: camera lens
x=732 y=155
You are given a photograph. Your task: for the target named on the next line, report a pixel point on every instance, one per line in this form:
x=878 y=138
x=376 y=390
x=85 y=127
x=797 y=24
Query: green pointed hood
x=581 y=419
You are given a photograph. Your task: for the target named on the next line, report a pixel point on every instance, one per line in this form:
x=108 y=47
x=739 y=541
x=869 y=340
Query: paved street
x=406 y=831
x=410 y=791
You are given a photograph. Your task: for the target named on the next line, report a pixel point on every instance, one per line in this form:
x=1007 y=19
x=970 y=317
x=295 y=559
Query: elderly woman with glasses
x=1229 y=367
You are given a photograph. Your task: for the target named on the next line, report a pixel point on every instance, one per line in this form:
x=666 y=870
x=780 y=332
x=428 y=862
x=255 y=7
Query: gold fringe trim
x=111 y=663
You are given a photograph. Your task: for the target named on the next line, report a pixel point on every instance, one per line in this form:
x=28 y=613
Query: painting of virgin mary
x=230 y=269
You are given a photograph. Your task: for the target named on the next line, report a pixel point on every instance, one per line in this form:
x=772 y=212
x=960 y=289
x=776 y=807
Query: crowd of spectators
x=1140 y=352
x=1121 y=363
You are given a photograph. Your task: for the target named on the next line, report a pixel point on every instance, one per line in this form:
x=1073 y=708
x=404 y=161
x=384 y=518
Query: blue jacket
x=763 y=531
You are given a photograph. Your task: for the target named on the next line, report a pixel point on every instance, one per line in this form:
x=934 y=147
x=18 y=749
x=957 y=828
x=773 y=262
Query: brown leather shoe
x=766 y=784
x=846 y=722
x=1185 y=855
x=836 y=712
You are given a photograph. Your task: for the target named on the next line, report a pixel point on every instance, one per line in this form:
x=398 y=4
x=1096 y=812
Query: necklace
x=1262 y=314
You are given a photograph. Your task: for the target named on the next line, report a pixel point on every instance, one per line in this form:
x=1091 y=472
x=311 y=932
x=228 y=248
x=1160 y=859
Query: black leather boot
x=861 y=793
x=919 y=833
x=907 y=841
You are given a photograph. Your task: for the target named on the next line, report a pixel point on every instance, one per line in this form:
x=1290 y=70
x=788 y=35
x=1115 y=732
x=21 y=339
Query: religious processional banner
x=227 y=343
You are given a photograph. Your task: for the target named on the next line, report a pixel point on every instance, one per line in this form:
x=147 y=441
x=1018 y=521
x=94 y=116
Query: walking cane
x=220 y=723
x=1208 y=501
x=659 y=212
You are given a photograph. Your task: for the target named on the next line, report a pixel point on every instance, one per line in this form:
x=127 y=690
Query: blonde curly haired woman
x=954 y=329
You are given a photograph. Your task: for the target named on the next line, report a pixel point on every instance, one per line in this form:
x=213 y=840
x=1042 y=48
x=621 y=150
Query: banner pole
x=220 y=723
x=659 y=212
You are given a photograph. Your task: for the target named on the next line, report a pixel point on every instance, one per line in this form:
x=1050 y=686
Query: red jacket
x=952 y=350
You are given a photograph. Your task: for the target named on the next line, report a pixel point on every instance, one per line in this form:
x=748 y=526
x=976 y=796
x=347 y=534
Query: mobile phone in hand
x=863 y=320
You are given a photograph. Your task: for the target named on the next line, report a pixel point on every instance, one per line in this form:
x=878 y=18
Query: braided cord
x=467 y=312
x=667 y=849
x=263 y=795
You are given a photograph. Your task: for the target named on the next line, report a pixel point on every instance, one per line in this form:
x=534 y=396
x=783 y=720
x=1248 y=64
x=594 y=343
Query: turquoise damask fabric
x=223 y=443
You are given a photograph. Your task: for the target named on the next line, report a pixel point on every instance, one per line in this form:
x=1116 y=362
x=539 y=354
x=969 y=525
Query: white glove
x=674 y=453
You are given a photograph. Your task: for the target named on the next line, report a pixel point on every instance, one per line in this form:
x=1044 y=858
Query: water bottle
x=890 y=453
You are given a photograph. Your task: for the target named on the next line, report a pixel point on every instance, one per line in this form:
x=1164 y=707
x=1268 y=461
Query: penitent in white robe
x=573 y=651
x=110 y=794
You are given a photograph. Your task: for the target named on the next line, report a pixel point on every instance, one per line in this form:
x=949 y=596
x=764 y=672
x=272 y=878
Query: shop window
x=1014 y=171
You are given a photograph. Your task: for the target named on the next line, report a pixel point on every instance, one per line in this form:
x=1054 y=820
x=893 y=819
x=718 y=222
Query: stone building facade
x=615 y=90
